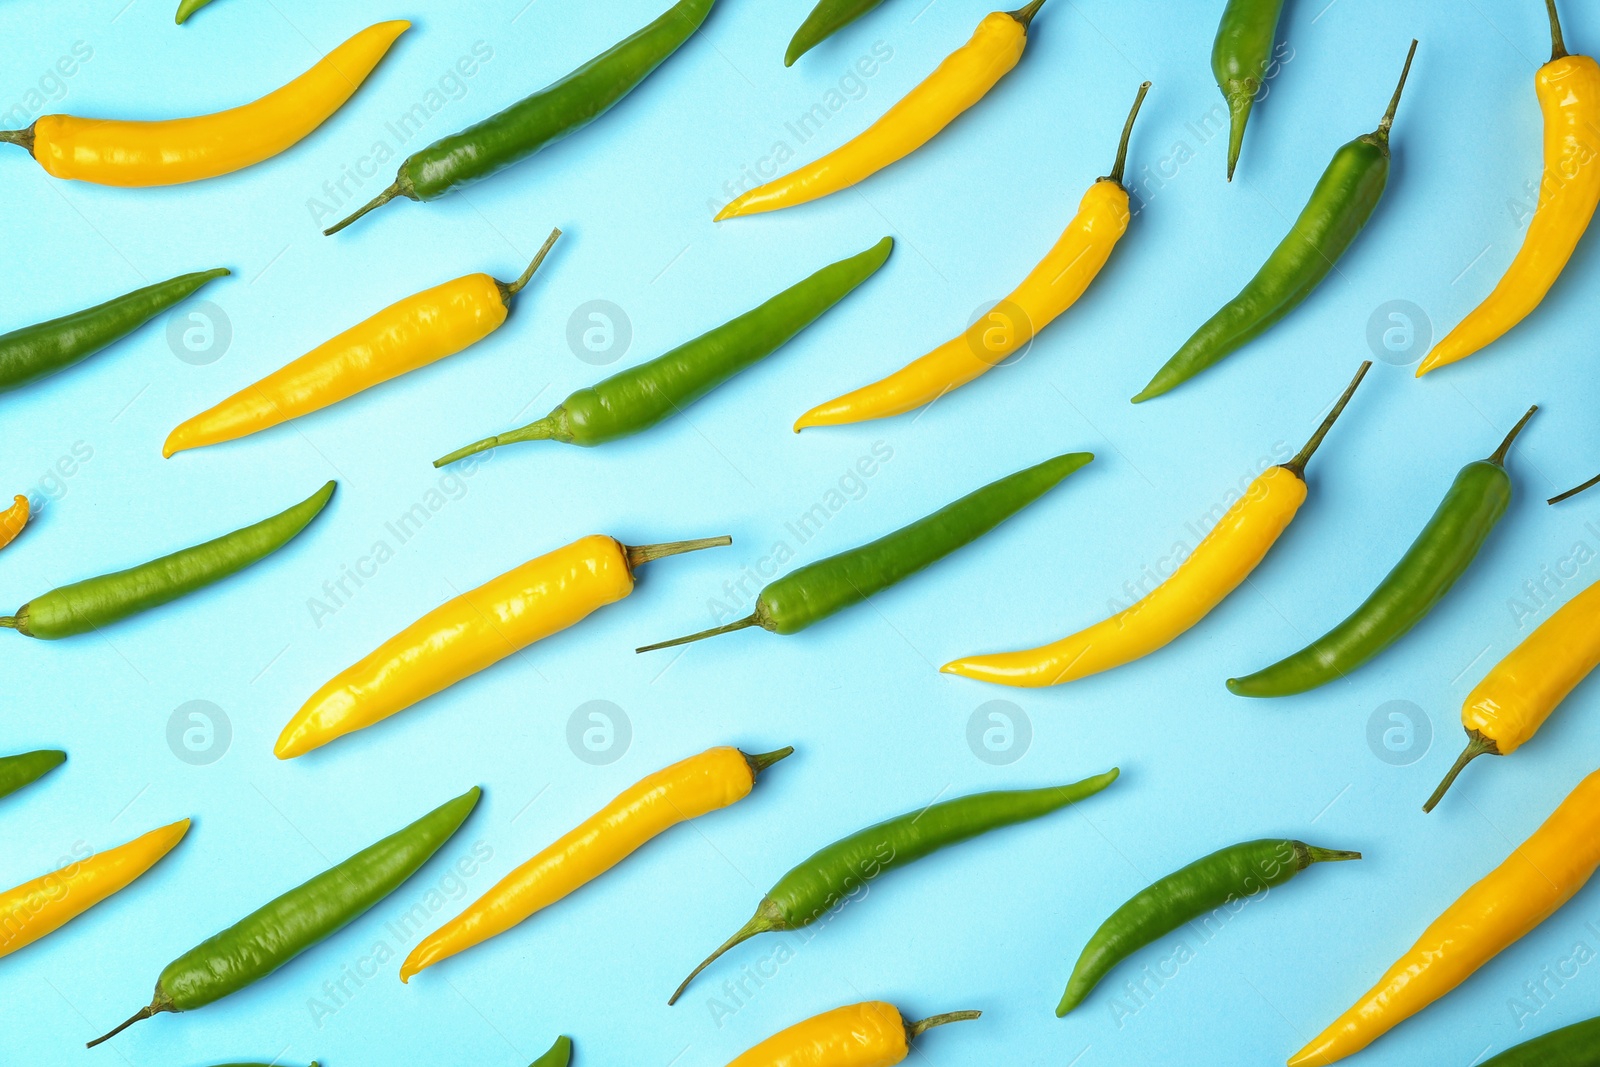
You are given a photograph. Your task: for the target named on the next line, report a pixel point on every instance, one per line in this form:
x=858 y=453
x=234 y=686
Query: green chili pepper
x=98 y=602
x=560 y=1054
x=276 y=933
x=829 y=879
x=819 y=589
x=1240 y=57
x=642 y=396
x=1577 y=1045
x=1339 y=207
x=825 y=20
x=27 y=768
x=1439 y=556
x=185 y=9
x=35 y=352
x=1233 y=874
x=545 y=117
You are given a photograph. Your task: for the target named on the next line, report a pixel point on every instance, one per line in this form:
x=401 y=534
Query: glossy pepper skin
x=1240 y=58
x=1044 y=295
x=963 y=79
x=547 y=116
x=175 y=151
x=1515 y=698
x=1235 y=873
x=559 y=1054
x=1219 y=563
x=818 y=590
x=97 y=602
x=473 y=631
x=686 y=790
x=1529 y=887
x=13 y=519
x=36 y=352
x=871 y=1034
x=403 y=337
x=20 y=771
x=825 y=20
x=639 y=397
x=1568 y=88
x=1577 y=1045
x=1340 y=205
x=832 y=876
x=277 y=932
x=44 y=905
x=1432 y=565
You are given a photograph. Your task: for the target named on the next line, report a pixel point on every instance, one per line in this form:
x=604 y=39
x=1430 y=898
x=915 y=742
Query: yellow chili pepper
x=873 y=1034
x=1514 y=699
x=13 y=519
x=1052 y=287
x=686 y=790
x=46 y=904
x=1216 y=567
x=963 y=79
x=128 y=153
x=404 y=336
x=473 y=631
x=1569 y=96
x=1509 y=903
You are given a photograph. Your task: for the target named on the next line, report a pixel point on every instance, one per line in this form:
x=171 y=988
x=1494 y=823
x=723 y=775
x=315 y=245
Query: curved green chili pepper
x=276 y=933
x=35 y=352
x=550 y=114
x=1233 y=874
x=1436 y=559
x=833 y=876
x=1240 y=57
x=27 y=768
x=638 y=398
x=819 y=589
x=97 y=602
x=1577 y=1045
x=560 y=1054
x=185 y=9
x=825 y=20
x=1339 y=208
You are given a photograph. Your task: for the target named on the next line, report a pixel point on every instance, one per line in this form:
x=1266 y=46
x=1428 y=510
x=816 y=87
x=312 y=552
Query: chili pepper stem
x=1575 y=490
x=1327 y=855
x=922 y=1026
x=511 y=290
x=544 y=429
x=1025 y=15
x=1297 y=465
x=767 y=918
x=763 y=760
x=376 y=202
x=139 y=1016
x=1558 y=45
x=1477 y=745
x=1382 y=132
x=715 y=631
x=8 y=621
x=23 y=139
x=1127 y=132
x=639 y=555
x=1499 y=457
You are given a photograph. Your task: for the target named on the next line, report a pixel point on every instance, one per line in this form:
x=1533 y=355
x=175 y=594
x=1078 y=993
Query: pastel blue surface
x=994 y=924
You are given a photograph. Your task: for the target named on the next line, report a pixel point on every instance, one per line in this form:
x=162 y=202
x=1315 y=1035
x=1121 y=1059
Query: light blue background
x=993 y=924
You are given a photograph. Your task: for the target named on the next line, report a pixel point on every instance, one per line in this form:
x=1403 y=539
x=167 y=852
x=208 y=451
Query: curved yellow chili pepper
x=171 y=152
x=963 y=79
x=44 y=905
x=404 y=336
x=1569 y=96
x=1515 y=698
x=686 y=790
x=473 y=631
x=1509 y=903
x=872 y=1034
x=1048 y=291
x=1216 y=567
x=13 y=519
